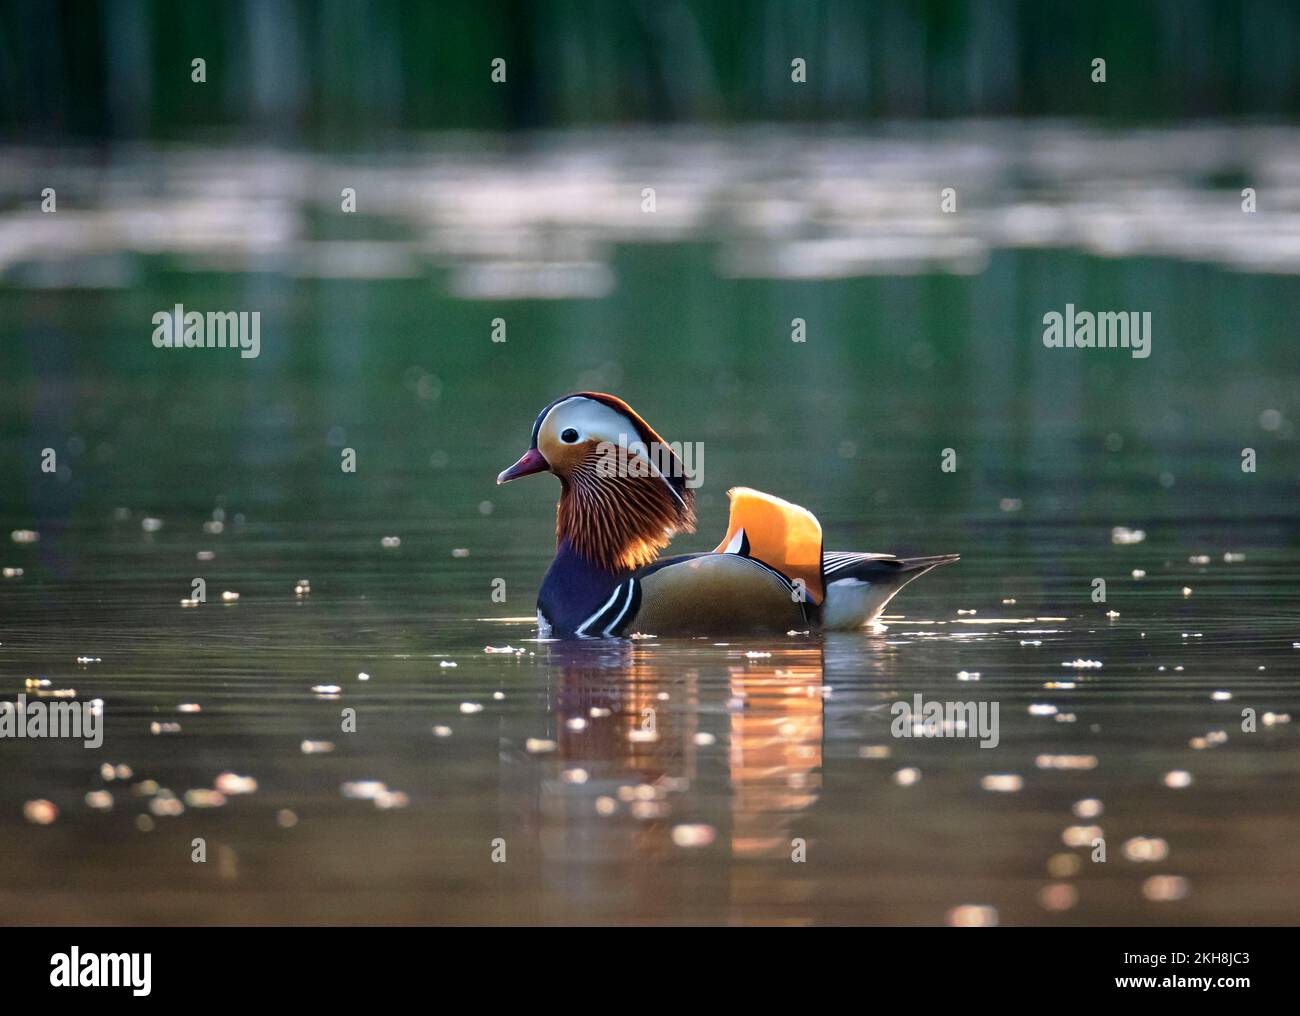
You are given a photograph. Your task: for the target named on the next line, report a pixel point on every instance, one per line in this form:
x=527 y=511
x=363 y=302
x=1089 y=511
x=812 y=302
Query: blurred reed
x=335 y=71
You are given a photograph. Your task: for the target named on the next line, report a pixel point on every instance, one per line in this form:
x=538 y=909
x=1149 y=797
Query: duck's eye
x=569 y=435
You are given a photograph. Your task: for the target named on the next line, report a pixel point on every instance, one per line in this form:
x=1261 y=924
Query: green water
x=1053 y=449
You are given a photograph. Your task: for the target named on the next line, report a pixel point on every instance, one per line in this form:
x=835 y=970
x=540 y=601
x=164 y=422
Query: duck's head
x=623 y=488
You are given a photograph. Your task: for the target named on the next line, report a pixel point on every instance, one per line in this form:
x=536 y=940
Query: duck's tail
x=858 y=586
x=924 y=564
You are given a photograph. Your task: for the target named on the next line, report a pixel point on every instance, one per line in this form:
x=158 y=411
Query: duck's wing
x=765 y=576
x=715 y=594
x=781 y=535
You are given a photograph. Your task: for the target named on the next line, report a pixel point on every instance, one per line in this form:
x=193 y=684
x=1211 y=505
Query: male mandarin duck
x=623 y=496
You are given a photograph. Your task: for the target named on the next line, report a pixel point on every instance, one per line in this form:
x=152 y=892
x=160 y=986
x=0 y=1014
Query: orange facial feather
x=619 y=518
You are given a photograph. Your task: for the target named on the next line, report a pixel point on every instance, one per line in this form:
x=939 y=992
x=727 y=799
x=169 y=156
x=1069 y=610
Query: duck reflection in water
x=721 y=751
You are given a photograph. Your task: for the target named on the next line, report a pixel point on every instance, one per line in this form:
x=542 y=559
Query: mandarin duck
x=624 y=494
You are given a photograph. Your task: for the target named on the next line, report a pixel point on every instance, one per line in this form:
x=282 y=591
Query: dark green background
x=338 y=72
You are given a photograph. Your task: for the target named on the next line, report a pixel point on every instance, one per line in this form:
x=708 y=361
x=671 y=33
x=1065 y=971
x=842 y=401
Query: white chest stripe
x=621 y=590
x=626 y=607
x=582 y=628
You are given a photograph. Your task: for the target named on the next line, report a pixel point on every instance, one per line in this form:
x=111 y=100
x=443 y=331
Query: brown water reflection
x=772 y=745
x=638 y=731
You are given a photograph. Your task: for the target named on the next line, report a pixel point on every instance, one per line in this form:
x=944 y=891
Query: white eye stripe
x=588 y=417
x=595 y=421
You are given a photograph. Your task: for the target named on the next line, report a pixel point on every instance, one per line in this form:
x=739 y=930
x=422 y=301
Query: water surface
x=762 y=749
